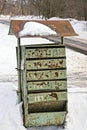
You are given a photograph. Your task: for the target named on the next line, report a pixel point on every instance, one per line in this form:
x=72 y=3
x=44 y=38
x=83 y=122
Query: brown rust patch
x=54 y=95
x=56 y=73
x=61 y=62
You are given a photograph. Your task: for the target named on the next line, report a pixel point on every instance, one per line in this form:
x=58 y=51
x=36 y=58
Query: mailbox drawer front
x=45 y=52
x=46 y=118
x=47 y=85
x=46 y=75
x=51 y=96
x=46 y=64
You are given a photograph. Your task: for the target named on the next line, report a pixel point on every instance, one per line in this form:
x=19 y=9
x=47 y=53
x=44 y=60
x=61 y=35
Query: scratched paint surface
x=46 y=64
x=46 y=75
x=47 y=118
x=52 y=96
x=47 y=85
x=44 y=84
x=45 y=52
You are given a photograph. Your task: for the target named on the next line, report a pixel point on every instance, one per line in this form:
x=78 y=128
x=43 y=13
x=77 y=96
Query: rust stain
x=43 y=83
x=39 y=75
x=57 y=87
x=61 y=62
x=47 y=75
x=55 y=65
x=38 y=64
x=56 y=73
x=54 y=95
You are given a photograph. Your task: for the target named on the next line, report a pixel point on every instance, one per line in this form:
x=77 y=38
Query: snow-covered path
x=77 y=101
x=10 y=117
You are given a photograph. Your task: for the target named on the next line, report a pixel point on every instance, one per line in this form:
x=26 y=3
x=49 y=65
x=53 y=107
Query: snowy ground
x=10 y=110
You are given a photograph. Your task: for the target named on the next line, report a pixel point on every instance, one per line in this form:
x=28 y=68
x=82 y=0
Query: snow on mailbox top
x=41 y=28
x=36 y=29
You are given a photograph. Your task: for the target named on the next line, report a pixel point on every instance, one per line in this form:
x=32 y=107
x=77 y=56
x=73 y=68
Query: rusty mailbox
x=42 y=80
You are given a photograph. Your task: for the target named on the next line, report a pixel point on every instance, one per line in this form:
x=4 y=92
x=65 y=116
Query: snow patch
x=36 y=29
x=10 y=110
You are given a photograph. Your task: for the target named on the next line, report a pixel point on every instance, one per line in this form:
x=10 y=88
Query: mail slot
x=52 y=106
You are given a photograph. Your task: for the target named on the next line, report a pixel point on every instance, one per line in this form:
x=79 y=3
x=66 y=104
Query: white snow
x=76 y=118
x=79 y=62
x=3 y=17
x=80 y=27
x=36 y=29
x=7 y=53
x=30 y=17
x=10 y=110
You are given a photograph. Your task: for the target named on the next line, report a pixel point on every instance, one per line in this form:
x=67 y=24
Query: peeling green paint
x=44 y=84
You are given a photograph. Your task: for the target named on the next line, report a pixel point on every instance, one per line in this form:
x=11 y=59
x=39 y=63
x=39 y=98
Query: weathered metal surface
x=44 y=84
x=45 y=52
x=45 y=45
x=19 y=71
x=47 y=85
x=45 y=75
x=51 y=96
x=48 y=118
x=52 y=106
x=45 y=64
x=62 y=27
x=24 y=97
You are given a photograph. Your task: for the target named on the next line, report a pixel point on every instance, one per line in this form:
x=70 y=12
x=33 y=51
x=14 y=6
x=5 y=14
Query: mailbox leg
x=19 y=71
x=62 y=40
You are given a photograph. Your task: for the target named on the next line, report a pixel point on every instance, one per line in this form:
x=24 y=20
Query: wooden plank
x=45 y=64
x=45 y=52
x=51 y=96
x=47 y=85
x=46 y=75
x=46 y=119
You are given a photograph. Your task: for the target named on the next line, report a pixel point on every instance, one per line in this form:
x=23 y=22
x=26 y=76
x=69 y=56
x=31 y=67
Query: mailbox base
x=45 y=119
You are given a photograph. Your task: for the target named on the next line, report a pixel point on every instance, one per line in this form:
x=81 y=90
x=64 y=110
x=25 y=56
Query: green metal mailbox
x=44 y=84
x=42 y=77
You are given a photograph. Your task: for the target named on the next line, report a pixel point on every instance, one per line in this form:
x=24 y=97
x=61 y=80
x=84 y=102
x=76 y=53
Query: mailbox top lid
x=61 y=27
